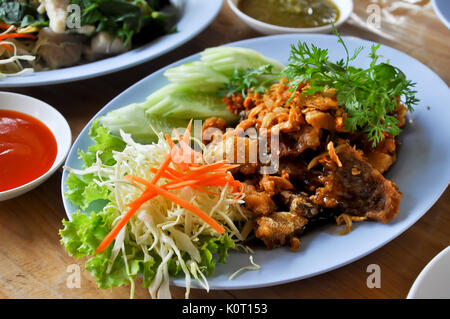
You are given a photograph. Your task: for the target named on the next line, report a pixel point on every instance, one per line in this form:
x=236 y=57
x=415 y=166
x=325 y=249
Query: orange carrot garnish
x=7 y=47
x=187 y=173
x=185 y=204
x=17 y=35
x=6 y=26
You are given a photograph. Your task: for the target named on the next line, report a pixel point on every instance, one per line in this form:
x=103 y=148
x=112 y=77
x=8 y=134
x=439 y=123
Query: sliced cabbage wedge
x=226 y=59
x=133 y=118
x=190 y=94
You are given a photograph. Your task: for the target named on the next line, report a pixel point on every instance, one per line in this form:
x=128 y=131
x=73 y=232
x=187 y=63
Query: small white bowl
x=433 y=281
x=52 y=119
x=345 y=9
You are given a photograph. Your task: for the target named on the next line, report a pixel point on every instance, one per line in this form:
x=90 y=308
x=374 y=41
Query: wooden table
x=34 y=265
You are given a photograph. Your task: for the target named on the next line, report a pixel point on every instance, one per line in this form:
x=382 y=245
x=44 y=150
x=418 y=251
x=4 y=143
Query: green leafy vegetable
x=242 y=80
x=368 y=95
x=82 y=235
x=82 y=190
x=196 y=75
x=212 y=246
x=21 y=14
x=105 y=144
x=85 y=231
x=144 y=127
x=191 y=94
x=186 y=103
x=123 y=19
x=226 y=60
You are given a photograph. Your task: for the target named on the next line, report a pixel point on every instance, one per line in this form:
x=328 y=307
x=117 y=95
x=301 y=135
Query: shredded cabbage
x=16 y=58
x=161 y=230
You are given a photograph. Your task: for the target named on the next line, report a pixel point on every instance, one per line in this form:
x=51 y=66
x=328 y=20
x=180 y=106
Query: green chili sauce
x=291 y=13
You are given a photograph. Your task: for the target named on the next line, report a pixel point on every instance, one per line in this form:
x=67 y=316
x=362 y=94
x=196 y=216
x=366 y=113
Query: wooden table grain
x=33 y=264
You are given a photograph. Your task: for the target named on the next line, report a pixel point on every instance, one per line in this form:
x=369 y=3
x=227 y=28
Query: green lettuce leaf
x=81 y=237
x=82 y=190
x=212 y=246
x=105 y=142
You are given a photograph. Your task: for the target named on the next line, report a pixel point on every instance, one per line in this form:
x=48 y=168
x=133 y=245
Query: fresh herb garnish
x=368 y=95
x=241 y=81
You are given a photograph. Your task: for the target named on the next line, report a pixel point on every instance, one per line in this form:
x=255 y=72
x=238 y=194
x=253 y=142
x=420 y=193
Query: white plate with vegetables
x=113 y=176
x=56 y=41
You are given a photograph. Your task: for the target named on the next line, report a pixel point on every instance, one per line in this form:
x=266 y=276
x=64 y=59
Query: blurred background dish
x=442 y=9
x=23 y=119
x=194 y=16
x=291 y=16
x=434 y=280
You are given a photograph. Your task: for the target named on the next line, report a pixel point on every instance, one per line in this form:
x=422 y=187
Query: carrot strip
x=170 y=141
x=166 y=174
x=185 y=148
x=6 y=26
x=240 y=192
x=163 y=167
x=139 y=180
x=185 y=204
x=208 y=167
x=118 y=227
x=187 y=133
x=17 y=35
x=177 y=135
x=134 y=207
x=195 y=176
x=175 y=172
x=7 y=47
x=203 y=190
x=181 y=184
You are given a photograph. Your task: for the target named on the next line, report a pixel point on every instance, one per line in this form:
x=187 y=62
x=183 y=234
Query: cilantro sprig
x=368 y=95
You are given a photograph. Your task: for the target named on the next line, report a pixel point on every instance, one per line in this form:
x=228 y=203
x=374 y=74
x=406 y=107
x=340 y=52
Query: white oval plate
x=422 y=171
x=433 y=281
x=196 y=15
x=52 y=119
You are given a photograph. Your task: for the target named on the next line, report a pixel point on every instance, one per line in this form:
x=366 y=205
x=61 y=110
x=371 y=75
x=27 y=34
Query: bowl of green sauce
x=292 y=16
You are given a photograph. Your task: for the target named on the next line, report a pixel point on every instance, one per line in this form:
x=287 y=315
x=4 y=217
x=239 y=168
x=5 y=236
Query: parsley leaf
x=368 y=95
x=242 y=80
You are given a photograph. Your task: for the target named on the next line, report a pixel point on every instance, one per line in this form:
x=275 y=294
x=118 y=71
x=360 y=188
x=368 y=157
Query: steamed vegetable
x=122 y=18
x=190 y=94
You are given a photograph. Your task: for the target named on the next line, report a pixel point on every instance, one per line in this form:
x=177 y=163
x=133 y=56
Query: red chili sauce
x=27 y=149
